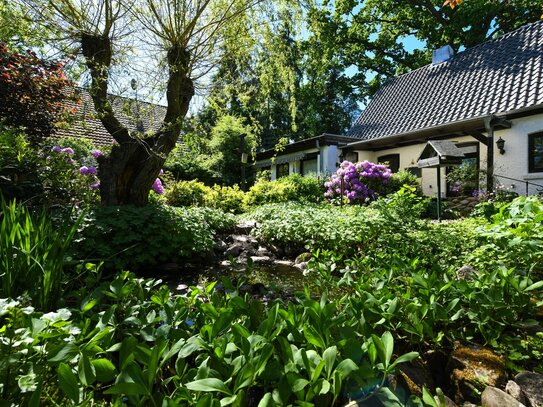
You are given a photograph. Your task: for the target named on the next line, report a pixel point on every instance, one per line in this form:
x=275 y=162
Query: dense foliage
x=389 y=291
x=58 y=173
x=232 y=199
x=130 y=237
x=34 y=93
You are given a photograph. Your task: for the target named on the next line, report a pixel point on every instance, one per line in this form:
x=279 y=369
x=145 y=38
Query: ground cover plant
x=384 y=289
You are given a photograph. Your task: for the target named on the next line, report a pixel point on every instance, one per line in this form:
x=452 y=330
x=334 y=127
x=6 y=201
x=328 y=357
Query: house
x=136 y=115
x=487 y=100
x=318 y=155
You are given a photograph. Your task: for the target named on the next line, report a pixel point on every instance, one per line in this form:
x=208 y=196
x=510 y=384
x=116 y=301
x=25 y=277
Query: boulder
x=303 y=258
x=415 y=375
x=514 y=390
x=234 y=250
x=261 y=259
x=532 y=385
x=246 y=226
x=494 y=397
x=471 y=369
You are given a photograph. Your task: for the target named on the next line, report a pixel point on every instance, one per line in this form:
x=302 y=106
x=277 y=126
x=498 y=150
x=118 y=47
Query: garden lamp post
x=243 y=160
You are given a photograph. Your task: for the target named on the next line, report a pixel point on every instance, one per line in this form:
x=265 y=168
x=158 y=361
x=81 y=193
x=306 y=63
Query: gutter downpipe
x=319 y=157
x=489 y=126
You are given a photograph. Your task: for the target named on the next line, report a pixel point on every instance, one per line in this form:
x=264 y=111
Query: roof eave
x=460 y=126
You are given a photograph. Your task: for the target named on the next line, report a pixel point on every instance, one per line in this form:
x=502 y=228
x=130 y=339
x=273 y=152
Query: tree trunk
x=128 y=172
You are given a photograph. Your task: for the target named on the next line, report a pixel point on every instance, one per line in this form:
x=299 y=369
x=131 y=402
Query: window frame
x=531 y=155
x=278 y=170
x=389 y=158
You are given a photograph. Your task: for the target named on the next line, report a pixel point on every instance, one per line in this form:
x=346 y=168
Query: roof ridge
x=467 y=50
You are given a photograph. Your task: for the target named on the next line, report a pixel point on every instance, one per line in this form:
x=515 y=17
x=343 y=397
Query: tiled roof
x=499 y=76
x=86 y=123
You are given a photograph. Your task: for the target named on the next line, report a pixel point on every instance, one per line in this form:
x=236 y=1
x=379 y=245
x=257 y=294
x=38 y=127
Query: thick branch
x=97 y=52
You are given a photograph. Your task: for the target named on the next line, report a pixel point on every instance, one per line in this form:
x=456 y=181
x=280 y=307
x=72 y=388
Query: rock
x=261 y=259
x=246 y=226
x=234 y=250
x=301 y=266
x=262 y=251
x=467 y=273
x=515 y=391
x=471 y=369
x=493 y=397
x=285 y=263
x=244 y=239
x=225 y=263
x=532 y=385
x=414 y=375
x=303 y=258
x=447 y=402
x=468 y=404
x=220 y=245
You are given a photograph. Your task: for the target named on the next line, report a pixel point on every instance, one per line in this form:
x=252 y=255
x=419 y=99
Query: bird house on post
x=437 y=154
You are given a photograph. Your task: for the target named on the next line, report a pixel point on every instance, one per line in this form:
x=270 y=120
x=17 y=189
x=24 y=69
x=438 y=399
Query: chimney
x=442 y=54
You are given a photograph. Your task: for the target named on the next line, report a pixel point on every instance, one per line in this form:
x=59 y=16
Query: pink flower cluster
x=359 y=182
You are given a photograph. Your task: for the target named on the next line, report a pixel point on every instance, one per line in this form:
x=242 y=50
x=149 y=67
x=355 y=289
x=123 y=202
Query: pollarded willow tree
x=182 y=35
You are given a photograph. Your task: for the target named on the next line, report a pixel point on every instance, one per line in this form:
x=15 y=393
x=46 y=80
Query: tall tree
x=183 y=35
x=369 y=35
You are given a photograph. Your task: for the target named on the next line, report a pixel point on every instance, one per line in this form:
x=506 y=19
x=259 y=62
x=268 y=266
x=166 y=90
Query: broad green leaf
x=266 y=401
x=105 y=370
x=346 y=367
x=325 y=387
x=128 y=389
x=387 y=398
x=329 y=357
x=226 y=401
x=65 y=354
x=299 y=384
x=86 y=371
x=535 y=286
x=68 y=382
x=209 y=384
x=193 y=344
x=427 y=398
x=406 y=357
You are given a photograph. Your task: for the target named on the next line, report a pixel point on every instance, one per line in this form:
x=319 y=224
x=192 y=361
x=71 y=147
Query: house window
x=535 y=152
x=391 y=160
x=309 y=166
x=281 y=170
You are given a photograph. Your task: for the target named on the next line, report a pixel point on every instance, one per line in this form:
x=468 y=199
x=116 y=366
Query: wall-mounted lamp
x=500 y=143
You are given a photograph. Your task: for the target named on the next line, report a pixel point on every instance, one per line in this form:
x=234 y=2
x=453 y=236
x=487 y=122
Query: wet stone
x=531 y=384
x=494 y=397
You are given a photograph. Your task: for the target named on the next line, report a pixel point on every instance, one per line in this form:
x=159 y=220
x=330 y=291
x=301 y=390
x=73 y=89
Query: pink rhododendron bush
x=361 y=182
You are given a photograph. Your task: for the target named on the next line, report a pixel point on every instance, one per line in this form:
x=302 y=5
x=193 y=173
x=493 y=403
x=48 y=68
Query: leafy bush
x=228 y=199
x=397 y=181
x=514 y=239
x=131 y=237
x=207 y=348
x=438 y=308
x=187 y=193
x=307 y=189
x=48 y=176
x=34 y=252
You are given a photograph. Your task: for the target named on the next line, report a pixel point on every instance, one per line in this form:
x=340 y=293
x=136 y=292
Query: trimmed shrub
x=129 y=237
x=308 y=189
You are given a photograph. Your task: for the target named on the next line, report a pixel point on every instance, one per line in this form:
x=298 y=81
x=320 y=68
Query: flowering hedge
x=361 y=181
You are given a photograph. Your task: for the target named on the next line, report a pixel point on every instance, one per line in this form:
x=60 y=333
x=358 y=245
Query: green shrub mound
x=129 y=237
x=308 y=189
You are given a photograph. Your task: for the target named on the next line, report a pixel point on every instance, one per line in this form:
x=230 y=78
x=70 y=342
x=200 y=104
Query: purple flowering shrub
x=361 y=182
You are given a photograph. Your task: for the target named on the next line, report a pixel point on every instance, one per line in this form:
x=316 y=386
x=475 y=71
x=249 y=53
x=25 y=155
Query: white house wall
x=326 y=161
x=409 y=156
x=514 y=163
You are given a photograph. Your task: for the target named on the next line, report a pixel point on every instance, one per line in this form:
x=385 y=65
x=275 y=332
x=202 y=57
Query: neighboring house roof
x=85 y=122
x=313 y=142
x=498 y=77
